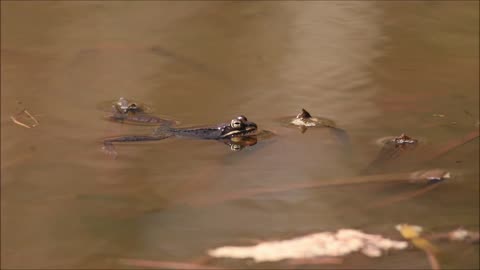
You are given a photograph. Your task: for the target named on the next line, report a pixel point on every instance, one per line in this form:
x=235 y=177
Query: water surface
x=376 y=68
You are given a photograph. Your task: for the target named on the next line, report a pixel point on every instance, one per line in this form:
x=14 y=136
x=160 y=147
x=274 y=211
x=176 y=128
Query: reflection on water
x=376 y=69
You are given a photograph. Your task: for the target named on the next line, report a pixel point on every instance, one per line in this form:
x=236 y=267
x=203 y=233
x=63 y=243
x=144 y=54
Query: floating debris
x=432 y=175
x=412 y=233
x=409 y=231
x=25 y=116
x=438 y=115
x=341 y=243
x=459 y=235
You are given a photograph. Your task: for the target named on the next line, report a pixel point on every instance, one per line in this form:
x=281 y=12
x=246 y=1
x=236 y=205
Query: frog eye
x=242 y=118
x=122 y=100
x=132 y=106
x=235 y=147
x=236 y=123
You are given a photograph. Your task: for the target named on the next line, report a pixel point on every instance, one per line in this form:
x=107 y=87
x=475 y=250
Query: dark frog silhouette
x=237 y=134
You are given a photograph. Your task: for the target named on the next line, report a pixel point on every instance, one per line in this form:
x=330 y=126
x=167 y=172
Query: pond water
x=375 y=68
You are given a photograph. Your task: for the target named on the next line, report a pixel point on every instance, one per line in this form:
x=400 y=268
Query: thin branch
x=18 y=122
x=165 y=264
x=451 y=145
x=403 y=196
x=32 y=117
x=420 y=176
x=432 y=259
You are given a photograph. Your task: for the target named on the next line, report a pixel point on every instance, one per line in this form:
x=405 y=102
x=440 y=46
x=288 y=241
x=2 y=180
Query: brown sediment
x=8 y=163
x=201 y=180
x=165 y=264
x=380 y=178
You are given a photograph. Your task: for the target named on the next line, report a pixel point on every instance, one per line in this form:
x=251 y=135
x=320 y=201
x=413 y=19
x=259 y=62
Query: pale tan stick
x=470 y=237
x=18 y=122
x=432 y=260
x=33 y=118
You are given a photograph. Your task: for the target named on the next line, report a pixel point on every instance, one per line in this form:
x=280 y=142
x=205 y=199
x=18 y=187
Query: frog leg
x=110 y=149
x=341 y=135
x=303 y=129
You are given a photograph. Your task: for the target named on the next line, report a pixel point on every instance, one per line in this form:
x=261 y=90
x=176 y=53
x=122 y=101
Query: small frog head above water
x=305 y=120
x=124 y=106
x=239 y=126
x=404 y=142
x=304 y=115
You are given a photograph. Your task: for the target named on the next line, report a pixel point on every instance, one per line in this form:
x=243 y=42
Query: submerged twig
x=426 y=176
x=432 y=259
x=403 y=196
x=165 y=264
x=18 y=122
x=451 y=145
x=31 y=117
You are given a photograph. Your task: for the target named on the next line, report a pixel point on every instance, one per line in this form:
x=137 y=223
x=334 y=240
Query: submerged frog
x=392 y=149
x=236 y=134
x=132 y=112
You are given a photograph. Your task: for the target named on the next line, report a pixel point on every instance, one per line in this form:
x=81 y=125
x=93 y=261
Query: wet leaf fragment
x=324 y=244
x=412 y=233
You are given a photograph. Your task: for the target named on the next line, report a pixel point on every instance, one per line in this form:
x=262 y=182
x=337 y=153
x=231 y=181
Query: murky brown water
x=376 y=68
